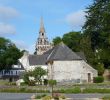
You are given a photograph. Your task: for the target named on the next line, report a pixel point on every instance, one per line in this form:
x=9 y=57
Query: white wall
x=24 y=60
x=70 y=70
x=34 y=66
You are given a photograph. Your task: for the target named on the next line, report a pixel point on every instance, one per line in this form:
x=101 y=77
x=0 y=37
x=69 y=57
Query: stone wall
x=73 y=71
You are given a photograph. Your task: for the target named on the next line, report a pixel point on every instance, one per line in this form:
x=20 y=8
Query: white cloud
x=8 y=12
x=23 y=46
x=7 y=29
x=76 y=19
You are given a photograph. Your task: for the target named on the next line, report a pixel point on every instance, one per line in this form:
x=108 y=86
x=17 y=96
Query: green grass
x=94 y=90
x=4 y=82
x=22 y=90
x=70 y=90
x=106 y=98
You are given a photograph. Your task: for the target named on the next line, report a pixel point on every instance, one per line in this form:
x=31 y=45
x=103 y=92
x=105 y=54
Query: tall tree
x=72 y=39
x=97 y=27
x=9 y=54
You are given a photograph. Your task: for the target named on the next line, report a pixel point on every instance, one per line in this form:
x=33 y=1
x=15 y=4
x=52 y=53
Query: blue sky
x=20 y=19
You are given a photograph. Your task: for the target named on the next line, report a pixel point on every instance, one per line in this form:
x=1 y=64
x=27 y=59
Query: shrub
x=32 y=83
x=98 y=79
x=40 y=96
x=45 y=82
x=47 y=98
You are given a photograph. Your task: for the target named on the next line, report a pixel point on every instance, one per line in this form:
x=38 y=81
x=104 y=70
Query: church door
x=89 y=77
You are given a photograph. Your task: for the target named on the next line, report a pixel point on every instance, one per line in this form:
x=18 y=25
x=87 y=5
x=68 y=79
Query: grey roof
x=62 y=52
x=81 y=54
x=37 y=59
x=59 y=52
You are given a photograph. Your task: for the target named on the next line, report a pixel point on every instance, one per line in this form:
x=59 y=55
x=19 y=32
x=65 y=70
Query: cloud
x=76 y=19
x=7 y=29
x=8 y=12
x=23 y=46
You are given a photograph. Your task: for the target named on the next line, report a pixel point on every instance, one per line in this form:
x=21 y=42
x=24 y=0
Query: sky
x=20 y=19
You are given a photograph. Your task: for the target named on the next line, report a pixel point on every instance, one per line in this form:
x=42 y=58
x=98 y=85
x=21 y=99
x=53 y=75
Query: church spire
x=42 y=29
x=42 y=44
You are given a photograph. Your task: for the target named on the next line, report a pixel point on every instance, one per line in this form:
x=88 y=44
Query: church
x=62 y=64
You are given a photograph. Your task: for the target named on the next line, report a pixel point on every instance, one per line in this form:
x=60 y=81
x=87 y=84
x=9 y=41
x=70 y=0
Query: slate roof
x=37 y=59
x=59 y=52
x=62 y=52
x=81 y=54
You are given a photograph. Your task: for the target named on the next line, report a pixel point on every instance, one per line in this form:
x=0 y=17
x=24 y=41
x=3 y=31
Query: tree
x=57 y=40
x=52 y=83
x=38 y=73
x=31 y=77
x=9 y=54
x=72 y=40
x=97 y=27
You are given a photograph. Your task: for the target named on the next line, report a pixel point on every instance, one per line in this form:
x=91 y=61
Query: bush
x=98 y=79
x=45 y=82
x=47 y=98
x=40 y=96
x=32 y=83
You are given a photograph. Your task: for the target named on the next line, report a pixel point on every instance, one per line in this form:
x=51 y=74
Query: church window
x=42 y=34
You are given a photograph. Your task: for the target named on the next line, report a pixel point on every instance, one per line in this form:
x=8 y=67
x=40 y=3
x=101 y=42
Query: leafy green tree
x=85 y=46
x=72 y=40
x=9 y=54
x=57 y=40
x=97 y=27
x=38 y=73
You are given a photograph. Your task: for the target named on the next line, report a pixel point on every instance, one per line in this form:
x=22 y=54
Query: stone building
x=60 y=61
x=62 y=64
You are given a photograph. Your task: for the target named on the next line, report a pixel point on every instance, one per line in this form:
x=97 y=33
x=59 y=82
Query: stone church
x=62 y=64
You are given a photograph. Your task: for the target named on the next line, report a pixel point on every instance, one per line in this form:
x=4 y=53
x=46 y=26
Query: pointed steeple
x=42 y=29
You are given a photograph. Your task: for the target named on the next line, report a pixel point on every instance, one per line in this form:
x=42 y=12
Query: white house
x=12 y=74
